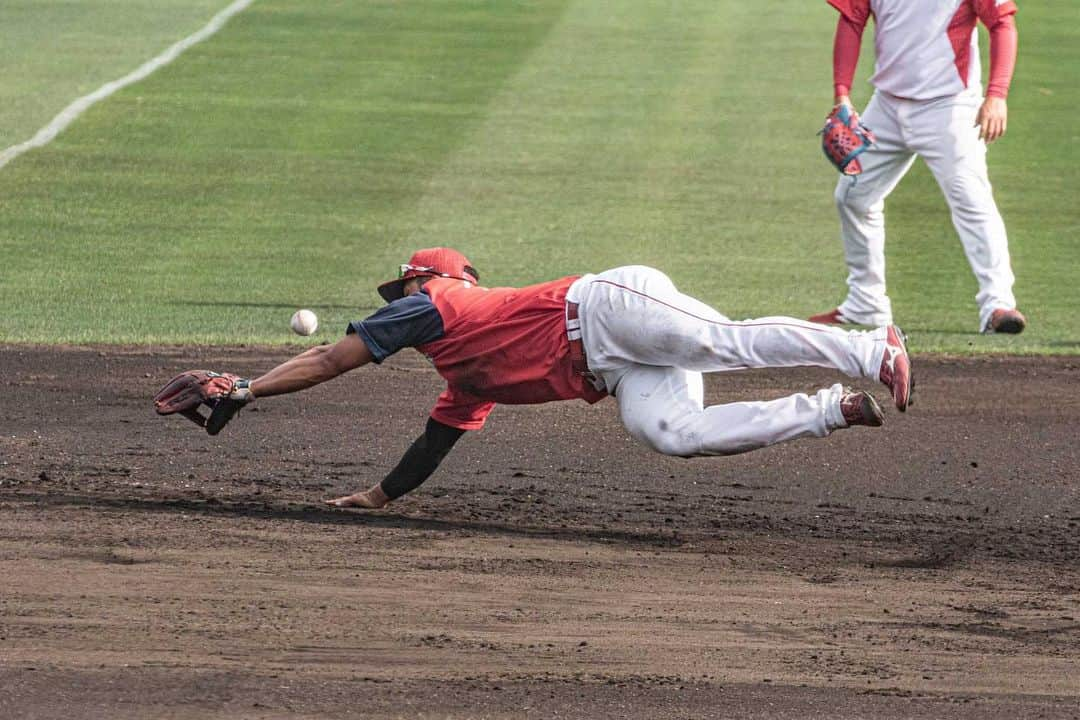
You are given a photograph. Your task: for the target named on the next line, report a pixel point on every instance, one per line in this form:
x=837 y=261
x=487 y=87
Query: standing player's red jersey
x=501 y=345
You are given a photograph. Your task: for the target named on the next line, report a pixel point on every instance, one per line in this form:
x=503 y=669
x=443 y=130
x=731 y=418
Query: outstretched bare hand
x=371 y=499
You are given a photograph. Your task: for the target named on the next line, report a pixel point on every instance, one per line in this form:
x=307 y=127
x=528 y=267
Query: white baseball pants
x=943 y=133
x=649 y=344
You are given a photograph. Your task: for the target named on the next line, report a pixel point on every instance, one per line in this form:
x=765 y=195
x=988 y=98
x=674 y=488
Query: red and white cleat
x=860 y=408
x=895 y=371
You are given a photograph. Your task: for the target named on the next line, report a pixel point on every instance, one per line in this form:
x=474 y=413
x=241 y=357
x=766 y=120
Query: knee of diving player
x=660 y=407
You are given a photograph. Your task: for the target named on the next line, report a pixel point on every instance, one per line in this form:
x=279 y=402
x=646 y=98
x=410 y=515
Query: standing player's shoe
x=1003 y=320
x=833 y=317
x=860 y=408
x=895 y=372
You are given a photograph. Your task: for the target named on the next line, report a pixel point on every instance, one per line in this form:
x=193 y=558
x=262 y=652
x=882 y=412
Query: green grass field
x=297 y=156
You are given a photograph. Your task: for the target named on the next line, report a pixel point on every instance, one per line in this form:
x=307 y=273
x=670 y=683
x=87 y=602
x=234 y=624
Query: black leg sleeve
x=421 y=459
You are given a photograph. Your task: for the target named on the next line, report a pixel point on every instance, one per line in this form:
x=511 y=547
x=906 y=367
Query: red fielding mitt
x=222 y=393
x=844 y=138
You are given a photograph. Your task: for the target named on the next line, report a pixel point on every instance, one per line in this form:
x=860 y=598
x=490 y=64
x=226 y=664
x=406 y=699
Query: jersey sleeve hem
x=1006 y=8
x=378 y=353
x=849 y=9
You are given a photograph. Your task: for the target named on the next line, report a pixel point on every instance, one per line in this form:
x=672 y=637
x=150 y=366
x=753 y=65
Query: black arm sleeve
x=421 y=459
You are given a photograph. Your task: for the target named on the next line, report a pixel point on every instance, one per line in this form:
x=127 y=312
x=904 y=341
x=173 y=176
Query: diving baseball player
x=627 y=332
x=927 y=102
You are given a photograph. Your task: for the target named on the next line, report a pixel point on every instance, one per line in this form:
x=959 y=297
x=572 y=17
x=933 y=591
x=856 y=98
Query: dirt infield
x=551 y=568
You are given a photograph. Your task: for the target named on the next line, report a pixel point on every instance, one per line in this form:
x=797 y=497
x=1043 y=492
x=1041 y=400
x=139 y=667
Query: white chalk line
x=68 y=115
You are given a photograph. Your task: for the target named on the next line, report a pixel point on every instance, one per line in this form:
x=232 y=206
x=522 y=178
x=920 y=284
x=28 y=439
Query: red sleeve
x=1003 y=40
x=461 y=411
x=846 y=47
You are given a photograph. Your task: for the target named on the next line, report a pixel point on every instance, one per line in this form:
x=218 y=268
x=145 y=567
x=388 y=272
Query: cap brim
x=393 y=290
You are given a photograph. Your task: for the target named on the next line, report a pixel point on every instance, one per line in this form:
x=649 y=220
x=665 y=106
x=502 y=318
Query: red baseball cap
x=432 y=262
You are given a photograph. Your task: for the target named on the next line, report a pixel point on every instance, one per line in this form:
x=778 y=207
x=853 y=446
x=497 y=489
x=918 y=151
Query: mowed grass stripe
x=263 y=171
x=647 y=136
x=576 y=165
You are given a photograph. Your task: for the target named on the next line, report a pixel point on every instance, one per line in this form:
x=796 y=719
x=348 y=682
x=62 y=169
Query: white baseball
x=304 y=322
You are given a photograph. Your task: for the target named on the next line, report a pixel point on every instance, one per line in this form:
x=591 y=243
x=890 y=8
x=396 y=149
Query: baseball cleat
x=860 y=408
x=833 y=317
x=1009 y=322
x=895 y=372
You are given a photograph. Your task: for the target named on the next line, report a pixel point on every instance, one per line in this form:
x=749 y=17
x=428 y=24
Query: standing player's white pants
x=943 y=133
x=649 y=344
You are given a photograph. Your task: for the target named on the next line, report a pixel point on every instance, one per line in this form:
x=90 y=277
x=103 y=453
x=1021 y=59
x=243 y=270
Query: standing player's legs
x=945 y=135
x=635 y=316
x=860 y=201
x=662 y=407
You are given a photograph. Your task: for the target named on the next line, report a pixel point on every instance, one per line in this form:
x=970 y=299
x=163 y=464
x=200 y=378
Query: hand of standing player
x=992 y=119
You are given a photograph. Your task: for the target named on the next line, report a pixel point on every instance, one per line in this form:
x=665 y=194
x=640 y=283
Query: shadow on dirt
x=309 y=513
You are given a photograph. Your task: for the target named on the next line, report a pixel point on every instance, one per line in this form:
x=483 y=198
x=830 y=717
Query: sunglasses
x=405 y=267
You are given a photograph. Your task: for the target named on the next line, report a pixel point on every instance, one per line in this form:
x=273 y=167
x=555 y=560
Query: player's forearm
x=421 y=459
x=301 y=372
x=846 y=46
x=1003 y=43
x=312 y=367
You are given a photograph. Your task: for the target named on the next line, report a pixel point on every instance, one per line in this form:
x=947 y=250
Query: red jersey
x=501 y=345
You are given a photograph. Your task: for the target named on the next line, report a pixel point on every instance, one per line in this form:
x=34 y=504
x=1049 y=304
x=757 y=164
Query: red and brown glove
x=223 y=393
x=844 y=138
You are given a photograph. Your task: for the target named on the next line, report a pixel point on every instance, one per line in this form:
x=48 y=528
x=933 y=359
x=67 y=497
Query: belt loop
x=573 y=322
x=578 y=361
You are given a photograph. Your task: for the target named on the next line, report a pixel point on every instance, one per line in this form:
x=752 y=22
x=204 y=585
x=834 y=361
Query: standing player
x=626 y=332
x=927 y=102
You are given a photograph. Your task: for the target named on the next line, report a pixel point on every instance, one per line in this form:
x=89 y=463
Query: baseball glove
x=222 y=393
x=844 y=138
